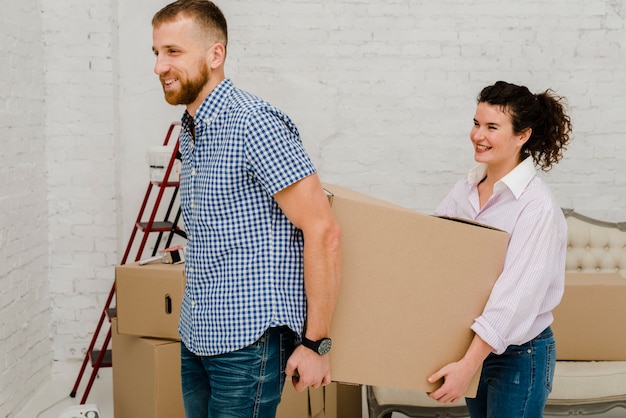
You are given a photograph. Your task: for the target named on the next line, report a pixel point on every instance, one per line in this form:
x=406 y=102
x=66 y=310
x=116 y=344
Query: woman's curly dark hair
x=544 y=113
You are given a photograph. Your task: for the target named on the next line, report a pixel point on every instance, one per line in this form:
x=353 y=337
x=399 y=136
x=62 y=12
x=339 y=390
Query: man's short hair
x=205 y=13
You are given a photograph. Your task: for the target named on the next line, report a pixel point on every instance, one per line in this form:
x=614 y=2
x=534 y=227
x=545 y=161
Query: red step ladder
x=103 y=357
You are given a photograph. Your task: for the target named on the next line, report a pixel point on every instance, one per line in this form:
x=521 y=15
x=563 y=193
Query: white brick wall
x=25 y=356
x=392 y=85
x=81 y=152
x=383 y=93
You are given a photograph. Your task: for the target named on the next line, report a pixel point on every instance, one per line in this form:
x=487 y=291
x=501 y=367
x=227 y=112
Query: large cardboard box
x=412 y=284
x=590 y=321
x=332 y=401
x=146 y=377
x=149 y=298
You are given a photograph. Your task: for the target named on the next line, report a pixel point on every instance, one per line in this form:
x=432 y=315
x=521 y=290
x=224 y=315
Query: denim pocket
x=287 y=345
x=516 y=351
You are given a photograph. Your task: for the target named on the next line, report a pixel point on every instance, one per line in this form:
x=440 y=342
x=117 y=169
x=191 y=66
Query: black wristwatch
x=321 y=347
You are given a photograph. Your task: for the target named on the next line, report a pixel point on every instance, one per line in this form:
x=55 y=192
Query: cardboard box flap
x=467 y=221
x=344 y=193
x=411 y=287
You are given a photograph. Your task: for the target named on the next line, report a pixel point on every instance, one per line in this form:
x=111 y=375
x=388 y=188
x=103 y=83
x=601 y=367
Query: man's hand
x=307 y=368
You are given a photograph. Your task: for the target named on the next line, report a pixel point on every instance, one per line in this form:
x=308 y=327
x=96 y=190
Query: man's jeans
x=516 y=384
x=243 y=384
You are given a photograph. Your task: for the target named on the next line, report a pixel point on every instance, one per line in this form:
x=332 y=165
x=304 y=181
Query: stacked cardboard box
x=149 y=298
x=146 y=380
x=146 y=353
x=332 y=401
x=146 y=346
x=589 y=323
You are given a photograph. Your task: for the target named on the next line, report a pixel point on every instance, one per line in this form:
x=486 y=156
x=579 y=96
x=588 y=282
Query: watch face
x=324 y=347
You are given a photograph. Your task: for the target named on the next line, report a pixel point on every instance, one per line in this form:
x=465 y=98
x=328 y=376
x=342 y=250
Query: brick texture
x=383 y=93
x=25 y=314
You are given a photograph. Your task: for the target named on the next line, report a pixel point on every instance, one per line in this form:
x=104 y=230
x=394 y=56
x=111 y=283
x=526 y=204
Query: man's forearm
x=322 y=272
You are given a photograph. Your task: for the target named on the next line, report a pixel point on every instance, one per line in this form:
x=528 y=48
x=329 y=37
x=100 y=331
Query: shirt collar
x=212 y=105
x=516 y=180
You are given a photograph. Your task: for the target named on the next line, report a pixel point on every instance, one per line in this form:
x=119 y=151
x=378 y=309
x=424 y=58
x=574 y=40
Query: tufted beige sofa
x=580 y=387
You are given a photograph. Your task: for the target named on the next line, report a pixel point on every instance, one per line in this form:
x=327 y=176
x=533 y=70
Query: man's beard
x=189 y=89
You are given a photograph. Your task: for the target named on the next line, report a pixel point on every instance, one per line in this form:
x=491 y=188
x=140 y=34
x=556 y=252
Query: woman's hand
x=456 y=379
x=457 y=376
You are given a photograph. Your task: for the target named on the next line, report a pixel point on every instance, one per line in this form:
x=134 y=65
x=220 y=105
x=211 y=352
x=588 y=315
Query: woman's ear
x=525 y=135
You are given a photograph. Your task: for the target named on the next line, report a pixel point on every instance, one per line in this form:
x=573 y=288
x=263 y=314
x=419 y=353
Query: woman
x=514 y=131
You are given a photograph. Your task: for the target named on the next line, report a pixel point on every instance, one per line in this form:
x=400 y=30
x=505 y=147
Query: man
x=263 y=252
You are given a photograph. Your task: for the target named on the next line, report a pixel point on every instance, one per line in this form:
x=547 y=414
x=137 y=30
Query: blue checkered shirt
x=244 y=259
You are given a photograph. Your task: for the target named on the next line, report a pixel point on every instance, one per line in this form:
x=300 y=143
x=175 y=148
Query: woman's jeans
x=242 y=384
x=516 y=384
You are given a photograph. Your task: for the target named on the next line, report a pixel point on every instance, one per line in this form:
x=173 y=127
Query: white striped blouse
x=532 y=281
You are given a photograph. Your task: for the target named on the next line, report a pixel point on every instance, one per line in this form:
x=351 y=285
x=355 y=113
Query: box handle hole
x=168 y=304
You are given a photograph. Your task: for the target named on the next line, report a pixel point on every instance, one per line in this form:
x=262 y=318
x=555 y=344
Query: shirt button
x=193 y=172
x=193 y=303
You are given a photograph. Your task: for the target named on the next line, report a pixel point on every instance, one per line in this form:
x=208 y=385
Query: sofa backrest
x=595 y=246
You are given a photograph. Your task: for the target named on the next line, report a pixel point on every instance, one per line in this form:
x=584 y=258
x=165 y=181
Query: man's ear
x=216 y=55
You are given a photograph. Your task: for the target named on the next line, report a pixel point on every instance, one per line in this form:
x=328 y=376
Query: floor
x=614 y=413
x=53 y=398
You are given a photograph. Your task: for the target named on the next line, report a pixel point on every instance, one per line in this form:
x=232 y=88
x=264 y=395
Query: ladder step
x=166 y=184
x=156 y=226
x=112 y=312
x=107 y=360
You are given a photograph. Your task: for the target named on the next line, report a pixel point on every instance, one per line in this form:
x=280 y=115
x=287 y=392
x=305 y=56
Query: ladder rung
x=107 y=360
x=166 y=184
x=156 y=226
x=112 y=312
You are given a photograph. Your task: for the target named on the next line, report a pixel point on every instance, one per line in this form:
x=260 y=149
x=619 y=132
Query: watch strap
x=321 y=346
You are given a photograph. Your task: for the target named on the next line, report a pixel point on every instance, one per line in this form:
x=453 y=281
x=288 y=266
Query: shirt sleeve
x=533 y=262
x=449 y=206
x=274 y=151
